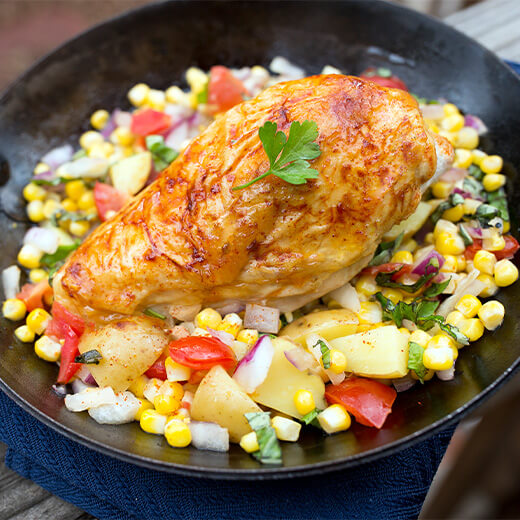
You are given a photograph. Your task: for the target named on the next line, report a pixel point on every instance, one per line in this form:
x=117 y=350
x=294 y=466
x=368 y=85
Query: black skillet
x=52 y=102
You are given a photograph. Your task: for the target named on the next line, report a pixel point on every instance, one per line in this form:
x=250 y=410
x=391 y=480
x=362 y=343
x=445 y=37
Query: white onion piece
x=256 y=81
x=58 y=156
x=285 y=68
x=335 y=379
x=403 y=383
x=446 y=375
x=178 y=113
x=263 y=319
x=209 y=436
x=121 y=412
x=88 y=167
x=11 y=281
x=300 y=358
x=42 y=238
x=434 y=112
x=178 y=135
x=122 y=118
x=421 y=265
x=223 y=336
x=347 y=297
x=453 y=175
x=60 y=390
x=187 y=399
x=90 y=398
x=78 y=386
x=230 y=307
x=241 y=74
x=254 y=366
x=84 y=375
x=468 y=285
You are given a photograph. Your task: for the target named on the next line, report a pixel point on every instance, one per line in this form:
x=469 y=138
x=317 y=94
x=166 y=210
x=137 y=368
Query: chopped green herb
x=91 y=357
x=79 y=154
x=60 y=255
x=436 y=288
x=466 y=237
x=283 y=319
x=202 y=96
x=272 y=336
x=270 y=451
x=289 y=156
x=384 y=72
x=415 y=360
x=154 y=314
x=56 y=181
x=473 y=187
x=325 y=353
x=72 y=216
x=476 y=172
x=454 y=332
x=162 y=155
x=385 y=279
x=385 y=251
x=454 y=200
x=485 y=213
x=498 y=200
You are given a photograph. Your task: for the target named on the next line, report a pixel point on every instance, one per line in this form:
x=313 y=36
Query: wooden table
x=494 y=23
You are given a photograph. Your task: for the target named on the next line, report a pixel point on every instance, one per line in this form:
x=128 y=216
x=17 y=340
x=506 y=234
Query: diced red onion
x=312 y=341
x=465 y=194
x=421 y=264
x=11 y=281
x=446 y=375
x=254 y=366
x=42 y=238
x=476 y=123
x=178 y=113
x=347 y=297
x=453 y=175
x=263 y=319
x=44 y=176
x=84 y=374
x=122 y=118
x=474 y=232
x=58 y=156
x=178 y=135
x=434 y=112
x=209 y=436
x=78 y=385
x=109 y=127
x=223 y=336
x=403 y=384
x=300 y=358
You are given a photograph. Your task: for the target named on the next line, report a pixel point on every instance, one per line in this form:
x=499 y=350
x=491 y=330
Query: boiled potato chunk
x=380 y=353
x=327 y=324
x=411 y=225
x=220 y=400
x=130 y=175
x=129 y=347
x=284 y=380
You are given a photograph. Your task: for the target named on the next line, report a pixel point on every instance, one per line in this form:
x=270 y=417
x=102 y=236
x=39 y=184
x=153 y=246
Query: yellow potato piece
x=130 y=175
x=380 y=353
x=411 y=225
x=327 y=324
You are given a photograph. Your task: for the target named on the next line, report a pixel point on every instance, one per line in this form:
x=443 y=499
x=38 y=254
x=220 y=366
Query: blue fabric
x=514 y=66
x=390 y=488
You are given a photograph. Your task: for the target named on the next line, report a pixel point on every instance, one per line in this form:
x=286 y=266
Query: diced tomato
x=509 y=250
x=33 y=294
x=69 y=351
x=373 y=270
x=61 y=314
x=370 y=402
x=224 y=90
x=107 y=198
x=202 y=353
x=148 y=122
x=390 y=82
x=158 y=369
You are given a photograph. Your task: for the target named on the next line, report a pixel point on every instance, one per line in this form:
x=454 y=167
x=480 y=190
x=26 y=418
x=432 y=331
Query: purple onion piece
x=422 y=266
x=109 y=127
x=476 y=123
x=58 y=156
x=223 y=336
x=446 y=375
x=403 y=383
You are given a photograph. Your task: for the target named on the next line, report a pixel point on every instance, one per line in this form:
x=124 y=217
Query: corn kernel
x=452 y=123
x=304 y=402
x=177 y=433
x=366 y=285
x=122 y=136
x=24 y=334
x=450 y=109
x=35 y=211
x=231 y=323
x=409 y=245
x=144 y=405
x=441 y=189
x=394 y=295
x=507 y=226
x=438 y=358
x=450 y=136
x=334 y=419
x=86 y=201
x=69 y=205
x=491 y=164
x=472 y=328
x=429 y=239
x=29 y=256
x=455 y=318
x=47 y=349
x=138 y=94
x=449 y=244
x=484 y=261
x=156 y=99
x=444 y=226
x=153 y=422
x=248 y=336
x=454 y=214
x=470 y=206
x=490 y=288
x=461 y=263
x=14 y=309
x=441 y=341
x=37 y=275
x=420 y=337
x=286 y=429
x=463 y=158
x=469 y=305
x=478 y=155
x=75 y=189
x=166 y=404
x=172 y=388
x=208 y=318
x=370 y=313
x=88 y=139
x=50 y=207
x=101 y=150
x=37 y=320
x=449 y=265
x=41 y=167
x=404 y=257
x=99 y=119
x=404 y=330
x=492 y=314
x=79 y=228
x=495 y=242
x=249 y=442
x=33 y=192
x=338 y=361
x=493 y=181
x=176 y=371
x=176 y=96
x=197 y=79
x=468 y=139
x=138 y=385
x=505 y=273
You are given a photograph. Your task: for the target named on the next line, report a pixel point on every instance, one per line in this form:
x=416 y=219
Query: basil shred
x=385 y=251
x=91 y=357
x=325 y=353
x=415 y=360
x=269 y=451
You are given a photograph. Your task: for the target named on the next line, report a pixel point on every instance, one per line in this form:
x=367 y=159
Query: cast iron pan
x=52 y=102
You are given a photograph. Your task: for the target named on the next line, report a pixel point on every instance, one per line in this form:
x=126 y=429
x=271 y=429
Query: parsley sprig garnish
x=289 y=156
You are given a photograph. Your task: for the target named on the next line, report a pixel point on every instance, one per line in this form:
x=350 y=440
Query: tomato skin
x=509 y=250
x=68 y=353
x=148 y=122
x=224 y=90
x=61 y=314
x=107 y=198
x=373 y=270
x=391 y=82
x=370 y=402
x=158 y=369
x=202 y=353
x=32 y=294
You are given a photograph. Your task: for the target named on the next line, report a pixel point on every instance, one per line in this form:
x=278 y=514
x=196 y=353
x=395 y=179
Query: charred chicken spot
x=225 y=248
x=215 y=189
x=253 y=246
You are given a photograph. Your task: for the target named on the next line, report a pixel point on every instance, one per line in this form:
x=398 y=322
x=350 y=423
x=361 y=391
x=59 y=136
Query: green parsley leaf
x=289 y=156
x=154 y=314
x=466 y=237
x=415 y=360
x=270 y=451
x=474 y=187
x=60 y=255
x=91 y=357
x=455 y=333
x=498 y=200
x=436 y=288
x=385 y=251
x=476 y=172
x=484 y=213
x=325 y=353
x=162 y=155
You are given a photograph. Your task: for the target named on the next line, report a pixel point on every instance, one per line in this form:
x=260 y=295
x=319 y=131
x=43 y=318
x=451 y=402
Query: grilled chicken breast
x=188 y=240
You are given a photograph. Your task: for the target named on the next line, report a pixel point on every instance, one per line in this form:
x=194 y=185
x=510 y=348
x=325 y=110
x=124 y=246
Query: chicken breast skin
x=188 y=240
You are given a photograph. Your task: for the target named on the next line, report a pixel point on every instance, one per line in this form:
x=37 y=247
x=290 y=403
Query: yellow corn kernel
x=24 y=334
x=420 y=337
x=166 y=404
x=201 y=332
x=494 y=243
x=79 y=228
x=75 y=189
x=490 y=288
x=47 y=349
x=35 y=211
x=29 y=256
x=144 y=404
x=69 y=205
x=122 y=136
x=463 y=157
x=461 y=263
x=286 y=429
x=176 y=371
x=41 y=167
x=231 y=323
x=468 y=139
x=366 y=285
x=454 y=214
x=438 y=358
x=138 y=94
x=505 y=273
x=450 y=136
x=14 y=309
x=478 y=155
x=452 y=123
x=88 y=139
x=444 y=226
x=450 y=264
x=138 y=385
x=197 y=79
x=449 y=244
x=394 y=295
x=338 y=361
x=441 y=189
x=484 y=261
x=249 y=442
x=152 y=422
x=51 y=206
x=491 y=164
x=101 y=150
x=450 y=109
x=404 y=257
x=370 y=313
x=507 y=226
x=469 y=305
x=172 y=388
x=177 y=433
x=493 y=181
x=441 y=341
x=492 y=314
x=432 y=126
x=99 y=119
x=156 y=99
x=33 y=192
x=472 y=328
x=86 y=201
x=409 y=245
x=334 y=419
x=455 y=318
x=249 y=336
x=176 y=96
x=37 y=320
x=429 y=239
x=404 y=330
x=304 y=402
x=208 y=317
